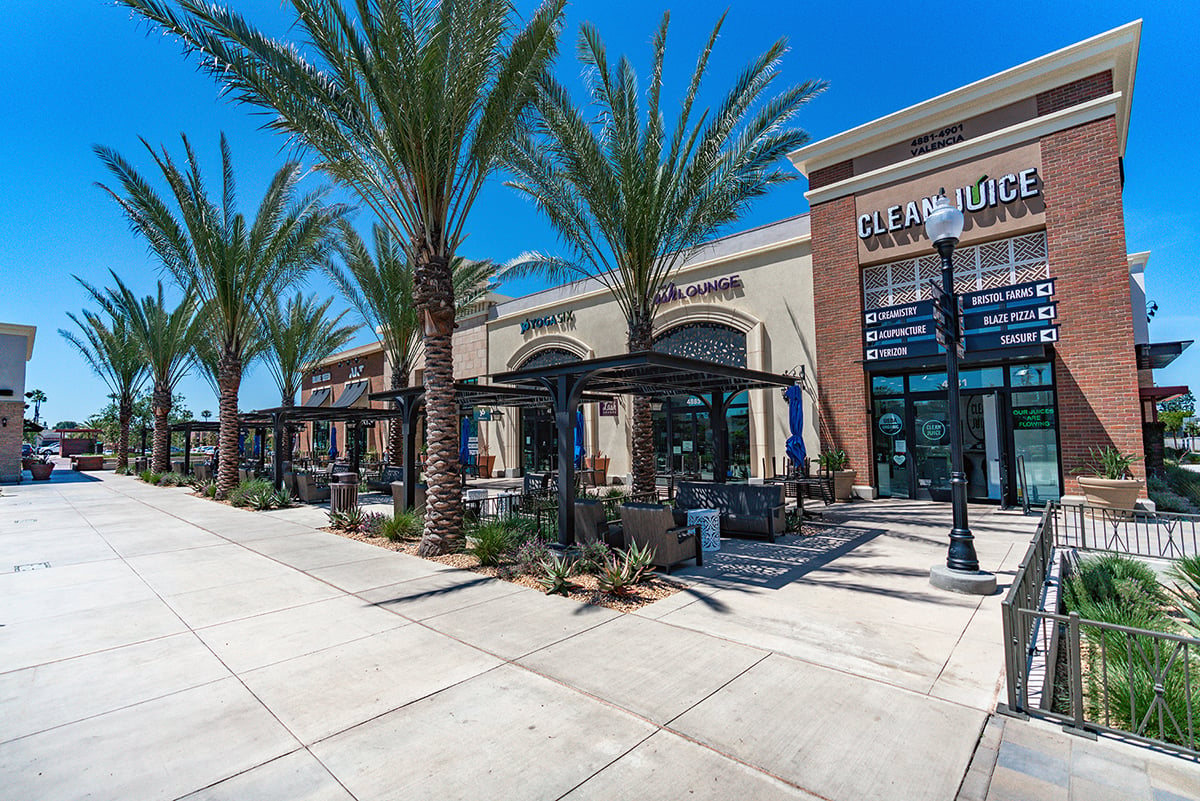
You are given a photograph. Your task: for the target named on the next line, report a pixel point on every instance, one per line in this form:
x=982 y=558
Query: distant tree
x=37 y=398
x=66 y=424
x=1172 y=420
x=299 y=333
x=233 y=267
x=141 y=414
x=1184 y=403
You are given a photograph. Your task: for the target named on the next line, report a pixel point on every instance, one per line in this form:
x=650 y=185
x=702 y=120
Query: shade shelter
x=409 y=400
x=187 y=428
x=649 y=374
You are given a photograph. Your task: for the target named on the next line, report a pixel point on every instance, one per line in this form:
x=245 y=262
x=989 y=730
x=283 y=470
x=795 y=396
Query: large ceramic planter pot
x=1111 y=493
x=600 y=465
x=41 y=472
x=27 y=464
x=843 y=484
x=486 y=465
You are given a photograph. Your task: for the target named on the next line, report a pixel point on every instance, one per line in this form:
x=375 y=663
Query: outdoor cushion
x=745 y=508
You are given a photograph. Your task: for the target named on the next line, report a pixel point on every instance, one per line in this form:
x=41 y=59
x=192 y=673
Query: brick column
x=1096 y=364
x=10 y=441
x=838 y=302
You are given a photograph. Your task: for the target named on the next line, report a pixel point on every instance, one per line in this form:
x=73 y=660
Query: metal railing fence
x=1098 y=676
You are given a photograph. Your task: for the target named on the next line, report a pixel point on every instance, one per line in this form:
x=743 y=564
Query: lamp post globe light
x=961 y=573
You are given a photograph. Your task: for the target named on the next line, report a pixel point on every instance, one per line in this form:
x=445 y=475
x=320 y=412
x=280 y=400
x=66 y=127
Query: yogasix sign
x=562 y=318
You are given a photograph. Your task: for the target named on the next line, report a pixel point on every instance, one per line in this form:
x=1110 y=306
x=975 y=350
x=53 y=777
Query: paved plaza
x=155 y=645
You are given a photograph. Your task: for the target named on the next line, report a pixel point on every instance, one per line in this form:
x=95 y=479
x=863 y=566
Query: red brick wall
x=837 y=296
x=10 y=440
x=1096 y=367
x=831 y=174
x=1074 y=93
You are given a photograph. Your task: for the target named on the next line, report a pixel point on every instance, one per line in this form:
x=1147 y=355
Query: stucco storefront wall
x=1076 y=109
x=771 y=305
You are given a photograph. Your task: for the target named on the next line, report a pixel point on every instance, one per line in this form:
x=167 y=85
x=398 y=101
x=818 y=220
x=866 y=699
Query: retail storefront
x=1057 y=355
x=1034 y=158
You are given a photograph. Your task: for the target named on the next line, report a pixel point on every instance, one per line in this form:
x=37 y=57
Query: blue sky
x=83 y=72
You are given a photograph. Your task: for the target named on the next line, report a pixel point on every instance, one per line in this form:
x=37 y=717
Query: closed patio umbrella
x=464 y=445
x=241 y=442
x=580 y=451
x=333 y=449
x=795 y=443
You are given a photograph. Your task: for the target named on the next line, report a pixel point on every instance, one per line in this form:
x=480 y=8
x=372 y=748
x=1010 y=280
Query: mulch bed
x=652 y=589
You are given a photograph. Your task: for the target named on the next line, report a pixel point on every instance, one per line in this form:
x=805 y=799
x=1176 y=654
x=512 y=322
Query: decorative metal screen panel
x=987 y=266
x=712 y=342
x=549 y=357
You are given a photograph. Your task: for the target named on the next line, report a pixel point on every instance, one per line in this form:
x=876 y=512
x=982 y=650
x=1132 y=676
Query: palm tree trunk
x=285 y=447
x=641 y=338
x=124 y=416
x=229 y=379
x=395 y=425
x=161 y=454
x=443 y=499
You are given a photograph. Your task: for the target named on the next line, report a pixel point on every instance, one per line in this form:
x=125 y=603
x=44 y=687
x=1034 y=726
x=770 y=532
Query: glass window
x=981 y=378
x=887 y=385
x=927 y=382
x=1031 y=375
x=1035 y=441
x=892 y=453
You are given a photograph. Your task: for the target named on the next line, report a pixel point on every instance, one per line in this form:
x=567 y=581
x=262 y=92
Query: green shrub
x=1108 y=462
x=170 y=480
x=404 y=526
x=1184 y=482
x=531 y=554
x=1186 y=592
x=150 y=477
x=556 y=575
x=1113 y=579
x=250 y=491
x=490 y=541
x=616 y=577
x=640 y=560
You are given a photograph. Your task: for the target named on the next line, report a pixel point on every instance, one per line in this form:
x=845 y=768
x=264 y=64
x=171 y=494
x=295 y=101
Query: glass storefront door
x=539 y=440
x=891 y=447
x=1009 y=434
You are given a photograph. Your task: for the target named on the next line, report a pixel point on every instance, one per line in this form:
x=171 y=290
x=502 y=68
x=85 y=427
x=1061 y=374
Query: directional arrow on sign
x=1045 y=313
x=869 y=318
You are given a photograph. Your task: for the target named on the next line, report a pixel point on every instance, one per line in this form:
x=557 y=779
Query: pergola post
x=565 y=392
x=352 y=445
x=409 y=406
x=277 y=453
x=718 y=405
x=187 y=450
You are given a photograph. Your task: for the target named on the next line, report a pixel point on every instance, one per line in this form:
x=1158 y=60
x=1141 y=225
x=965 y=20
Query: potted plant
x=1106 y=479
x=599 y=463
x=484 y=460
x=834 y=462
x=41 y=469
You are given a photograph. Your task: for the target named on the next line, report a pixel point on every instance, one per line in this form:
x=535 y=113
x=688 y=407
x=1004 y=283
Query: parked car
x=26 y=450
x=49 y=450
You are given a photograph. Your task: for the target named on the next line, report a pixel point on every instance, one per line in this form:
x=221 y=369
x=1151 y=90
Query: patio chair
x=309 y=490
x=653 y=525
x=591 y=525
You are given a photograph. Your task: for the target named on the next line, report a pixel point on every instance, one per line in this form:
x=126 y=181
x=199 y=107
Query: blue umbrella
x=795 y=443
x=257 y=443
x=464 y=445
x=241 y=442
x=333 y=450
x=580 y=451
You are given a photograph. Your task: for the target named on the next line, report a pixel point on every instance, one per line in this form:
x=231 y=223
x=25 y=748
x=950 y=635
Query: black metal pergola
x=646 y=373
x=247 y=422
x=467 y=395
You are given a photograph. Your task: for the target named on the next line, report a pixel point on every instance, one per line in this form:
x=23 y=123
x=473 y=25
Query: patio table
x=709 y=521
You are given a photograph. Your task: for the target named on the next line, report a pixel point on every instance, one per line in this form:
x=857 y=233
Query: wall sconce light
x=3 y=422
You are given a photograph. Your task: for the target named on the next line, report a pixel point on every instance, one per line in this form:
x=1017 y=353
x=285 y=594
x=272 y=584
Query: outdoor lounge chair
x=591 y=525
x=653 y=525
x=309 y=490
x=746 y=509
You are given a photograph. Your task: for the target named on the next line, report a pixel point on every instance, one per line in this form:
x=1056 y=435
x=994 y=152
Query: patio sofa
x=754 y=510
x=382 y=481
x=309 y=489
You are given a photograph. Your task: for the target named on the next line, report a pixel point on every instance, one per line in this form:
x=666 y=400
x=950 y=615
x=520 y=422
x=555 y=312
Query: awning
x=1160 y=394
x=1157 y=355
x=318 y=397
x=350 y=394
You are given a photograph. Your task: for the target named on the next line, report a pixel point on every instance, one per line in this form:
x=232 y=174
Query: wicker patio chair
x=653 y=525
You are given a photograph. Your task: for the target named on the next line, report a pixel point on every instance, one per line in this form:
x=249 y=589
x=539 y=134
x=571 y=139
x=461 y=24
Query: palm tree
x=37 y=397
x=412 y=104
x=166 y=339
x=298 y=333
x=633 y=204
x=380 y=288
x=234 y=267
x=115 y=355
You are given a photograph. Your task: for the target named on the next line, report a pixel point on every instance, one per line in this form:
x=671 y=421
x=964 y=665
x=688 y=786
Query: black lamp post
x=943 y=226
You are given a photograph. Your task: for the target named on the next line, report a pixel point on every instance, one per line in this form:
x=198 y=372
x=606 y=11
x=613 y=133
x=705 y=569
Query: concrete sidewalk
x=175 y=647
